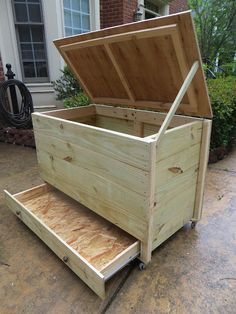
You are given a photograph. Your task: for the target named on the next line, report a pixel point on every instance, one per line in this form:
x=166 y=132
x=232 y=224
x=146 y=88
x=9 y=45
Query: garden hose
x=23 y=118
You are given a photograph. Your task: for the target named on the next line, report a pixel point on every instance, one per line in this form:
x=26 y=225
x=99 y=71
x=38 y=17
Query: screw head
x=65 y=259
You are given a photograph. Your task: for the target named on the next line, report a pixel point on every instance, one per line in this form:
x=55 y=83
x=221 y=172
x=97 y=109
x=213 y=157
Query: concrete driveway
x=193 y=272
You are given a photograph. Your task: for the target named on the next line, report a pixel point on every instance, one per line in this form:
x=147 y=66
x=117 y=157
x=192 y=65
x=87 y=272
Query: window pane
x=85 y=22
x=76 y=20
x=77 y=31
x=39 y=52
x=26 y=52
x=68 y=31
x=67 y=18
x=41 y=69
x=76 y=5
x=66 y=4
x=34 y=13
x=29 y=70
x=21 y=12
x=24 y=33
x=37 y=33
x=85 y=6
x=36 y=1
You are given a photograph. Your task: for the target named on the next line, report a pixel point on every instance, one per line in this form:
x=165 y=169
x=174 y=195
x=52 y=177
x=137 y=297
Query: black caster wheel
x=193 y=224
x=142 y=266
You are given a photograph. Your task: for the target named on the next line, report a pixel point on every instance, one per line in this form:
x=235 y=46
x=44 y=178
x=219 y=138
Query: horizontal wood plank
x=126 y=148
x=110 y=169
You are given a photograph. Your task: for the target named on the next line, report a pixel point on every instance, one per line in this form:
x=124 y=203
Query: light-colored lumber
x=120 y=72
x=93 y=278
x=181 y=57
x=121 y=260
x=100 y=197
x=111 y=169
x=139 y=34
x=203 y=161
x=177 y=101
x=146 y=246
x=178 y=139
x=168 y=81
x=145 y=116
x=126 y=148
x=138 y=128
x=72 y=113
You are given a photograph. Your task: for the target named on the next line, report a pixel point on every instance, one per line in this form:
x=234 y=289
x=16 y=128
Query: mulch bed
x=17 y=136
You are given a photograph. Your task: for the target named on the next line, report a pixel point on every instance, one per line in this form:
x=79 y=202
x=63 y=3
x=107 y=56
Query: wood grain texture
x=163 y=87
x=89 y=274
x=177 y=166
x=93 y=237
x=204 y=154
x=94 y=248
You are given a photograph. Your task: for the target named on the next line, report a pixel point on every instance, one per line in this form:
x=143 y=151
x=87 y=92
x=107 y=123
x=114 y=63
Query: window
x=76 y=16
x=150 y=9
x=31 y=42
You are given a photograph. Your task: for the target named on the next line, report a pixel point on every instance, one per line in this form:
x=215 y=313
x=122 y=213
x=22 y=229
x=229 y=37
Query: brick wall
x=2 y=77
x=178 y=6
x=116 y=12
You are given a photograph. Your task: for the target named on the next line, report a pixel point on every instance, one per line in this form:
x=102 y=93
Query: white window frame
x=164 y=9
x=94 y=7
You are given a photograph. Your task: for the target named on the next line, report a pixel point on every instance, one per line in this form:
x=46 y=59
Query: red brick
x=178 y=6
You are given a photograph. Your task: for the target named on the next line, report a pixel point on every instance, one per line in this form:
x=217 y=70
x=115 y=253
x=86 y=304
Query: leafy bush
x=69 y=91
x=223 y=99
x=77 y=100
x=67 y=85
x=229 y=68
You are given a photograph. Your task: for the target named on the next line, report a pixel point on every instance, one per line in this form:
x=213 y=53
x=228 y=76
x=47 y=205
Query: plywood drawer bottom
x=91 y=246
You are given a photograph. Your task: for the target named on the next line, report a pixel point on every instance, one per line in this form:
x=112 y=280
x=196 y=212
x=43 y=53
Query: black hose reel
x=19 y=116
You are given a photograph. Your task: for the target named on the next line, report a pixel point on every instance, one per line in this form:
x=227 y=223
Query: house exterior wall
x=178 y=6
x=116 y=12
x=53 y=15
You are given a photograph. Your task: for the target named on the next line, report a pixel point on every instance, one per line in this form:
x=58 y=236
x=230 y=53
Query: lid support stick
x=177 y=100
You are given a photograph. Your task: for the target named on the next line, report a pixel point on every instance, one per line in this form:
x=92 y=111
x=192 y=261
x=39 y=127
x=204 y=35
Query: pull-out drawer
x=90 y=245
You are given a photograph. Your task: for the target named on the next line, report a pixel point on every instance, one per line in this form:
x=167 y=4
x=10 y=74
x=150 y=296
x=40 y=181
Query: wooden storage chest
x=138 y=170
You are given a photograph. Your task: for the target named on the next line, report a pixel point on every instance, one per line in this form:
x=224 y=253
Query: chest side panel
x=177 y=167
x=104 y=171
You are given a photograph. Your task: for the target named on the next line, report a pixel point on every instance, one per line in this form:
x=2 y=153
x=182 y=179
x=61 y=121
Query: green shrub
x=222 y=93
x=69 y=91
x=229 y=68
x=67 y=85
x=77 y=100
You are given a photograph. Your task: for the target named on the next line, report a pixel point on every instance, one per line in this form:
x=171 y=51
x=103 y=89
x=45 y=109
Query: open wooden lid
x=140 y=65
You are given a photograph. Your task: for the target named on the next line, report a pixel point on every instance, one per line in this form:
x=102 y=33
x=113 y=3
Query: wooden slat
x=71 y=113
x=177 y=101
x=145 y=33
x=126 y=148
x=145 y=116
x=113 y=170
x=120 y=73
x=122 y=259
x=76 y=73
x=76 y=262
x=179 y=139
x=180 y=53
x=146 y=245
x=204 y=154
